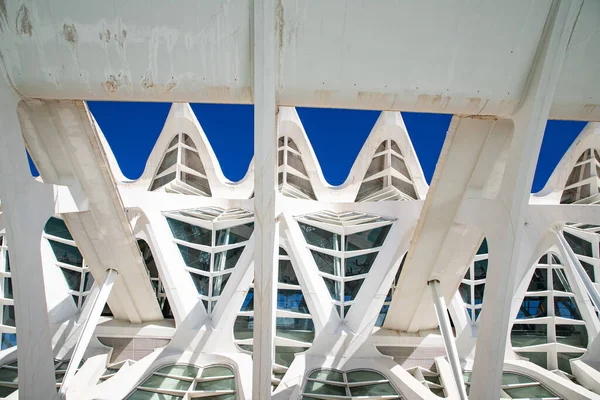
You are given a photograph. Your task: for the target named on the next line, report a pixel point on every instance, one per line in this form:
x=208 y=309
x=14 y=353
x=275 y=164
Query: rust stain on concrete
x=23 y=24
x=374 y=99
x=159 y=88
x=120 y=37
x=589 y=108
x=69 y=32
x=441 y=102
x=105 y=36
x=114 y=82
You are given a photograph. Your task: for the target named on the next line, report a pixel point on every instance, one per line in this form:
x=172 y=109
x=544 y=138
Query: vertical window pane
x=565 y=307
x=539 y=280
x=533 y=307
x=572 y=335
x=351 y=289
x=8 y=315
x=227 y=259
x=320 y=237
x=286 y=273
x=291 y=300
x=190 y=233
x=328 y=264
x=66 y=253
x=523 y=335
x=193 y=258
x=367 y=239
x=359 y=264
x=57 y=227
x=236 y=234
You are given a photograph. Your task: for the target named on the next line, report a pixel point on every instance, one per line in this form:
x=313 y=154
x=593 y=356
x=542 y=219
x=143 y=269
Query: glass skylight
x=517 y=386
x=176 y=382
x=211 y=241
x=357 y=384
x=344 y=247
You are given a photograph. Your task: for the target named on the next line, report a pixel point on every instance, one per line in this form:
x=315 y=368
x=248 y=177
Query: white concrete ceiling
x=463 y=57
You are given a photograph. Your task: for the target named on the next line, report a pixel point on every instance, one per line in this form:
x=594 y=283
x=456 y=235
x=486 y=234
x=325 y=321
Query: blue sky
x=336 y=136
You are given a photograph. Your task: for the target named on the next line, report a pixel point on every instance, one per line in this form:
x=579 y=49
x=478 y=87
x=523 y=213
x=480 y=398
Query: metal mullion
x=329 y=252
x=181 y=378
x=226 y=247
x=171 y=392
x=356 y=277
x=333 y=383
x=185 y=146
x=198 y=272
x=196 y=221
x=221 y=273
x=211 y=274
x=69 y=266
x=166 y=172
x=355 y=253
x=195 y=246
x=348 y=393
x=365 y=383
x=188 y=170
x=70 y=242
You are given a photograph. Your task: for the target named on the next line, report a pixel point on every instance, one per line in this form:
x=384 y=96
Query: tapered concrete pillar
x=265 y=183
x=26 y=205
x=505 y=241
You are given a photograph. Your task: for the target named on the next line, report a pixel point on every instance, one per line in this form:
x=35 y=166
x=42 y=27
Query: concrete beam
x=67 y=149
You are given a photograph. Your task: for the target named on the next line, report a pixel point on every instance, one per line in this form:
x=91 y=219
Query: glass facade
x=211 y=241
x=472 y=286
x=584 y=180
x=549 y=324
x=157 y=285
x=69 y=259
x=294 y=328
x=344 y=247
x=387 y=177
x=181 y=170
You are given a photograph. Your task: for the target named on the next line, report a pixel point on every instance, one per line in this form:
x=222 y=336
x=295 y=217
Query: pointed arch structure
x=502 y=72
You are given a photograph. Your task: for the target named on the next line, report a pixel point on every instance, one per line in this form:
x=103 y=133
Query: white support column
x=578 y=268
x=88 y=329
x=265 y=183
x=506 y=239
x=26 y=206
x=442 y=315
